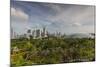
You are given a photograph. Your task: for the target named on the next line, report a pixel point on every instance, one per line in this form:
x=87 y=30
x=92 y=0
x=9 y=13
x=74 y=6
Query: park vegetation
x=51 y=50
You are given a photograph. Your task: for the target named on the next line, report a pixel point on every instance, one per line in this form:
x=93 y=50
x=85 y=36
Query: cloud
x=18 y=14
x=76 y=24
x=64 y=18
x=72 y=13
x=73 y=18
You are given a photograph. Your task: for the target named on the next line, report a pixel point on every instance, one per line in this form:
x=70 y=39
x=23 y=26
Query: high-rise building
x=33 y=34
x=44 y=33
x=29 y=33
x=58 y=34
x=38 y=33
x=13 y=34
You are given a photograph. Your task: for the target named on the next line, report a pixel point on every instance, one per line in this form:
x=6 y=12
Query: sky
x=64 y=18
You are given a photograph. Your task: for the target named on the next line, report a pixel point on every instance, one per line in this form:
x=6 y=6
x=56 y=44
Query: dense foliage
x=51 y=50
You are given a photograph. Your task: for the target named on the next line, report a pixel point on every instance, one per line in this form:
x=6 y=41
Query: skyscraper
x=38 y=33
x=13 y=34
x=43 y=34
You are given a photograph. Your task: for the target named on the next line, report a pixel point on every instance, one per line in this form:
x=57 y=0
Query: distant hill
x=81 y=35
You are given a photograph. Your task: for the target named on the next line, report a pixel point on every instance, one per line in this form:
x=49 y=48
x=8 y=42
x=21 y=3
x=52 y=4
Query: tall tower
x=12 y=34
x=37 y=33
x=33 y=34
x=28 y=33
x=43 y=34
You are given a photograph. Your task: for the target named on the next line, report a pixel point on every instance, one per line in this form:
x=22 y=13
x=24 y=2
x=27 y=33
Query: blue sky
x=65 y=18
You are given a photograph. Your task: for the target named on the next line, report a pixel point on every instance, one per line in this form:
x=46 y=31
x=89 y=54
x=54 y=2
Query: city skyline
x=64 y=18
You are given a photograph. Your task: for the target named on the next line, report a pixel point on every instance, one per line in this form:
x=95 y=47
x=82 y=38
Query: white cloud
x=77 y=18
x=76 y=24
x=19 y=14
x=73 y=14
